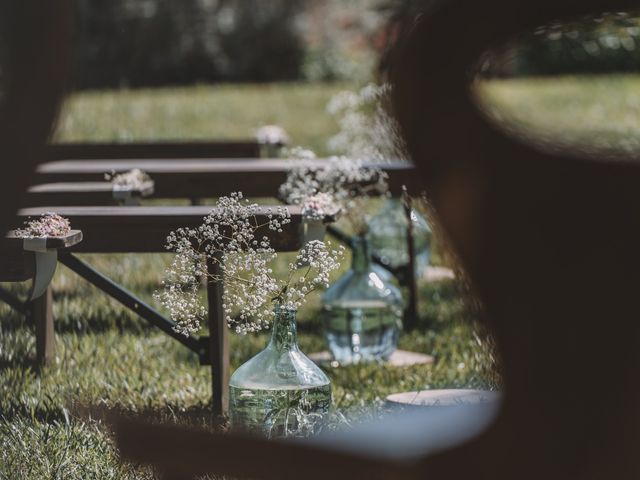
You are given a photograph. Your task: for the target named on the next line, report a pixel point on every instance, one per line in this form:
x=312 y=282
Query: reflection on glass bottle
x=280 y=392
x=389 y=237
x=362 y=311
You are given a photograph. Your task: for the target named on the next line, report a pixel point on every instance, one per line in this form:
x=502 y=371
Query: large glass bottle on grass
x=362 y=311
x=280 y=392
x=389 y=237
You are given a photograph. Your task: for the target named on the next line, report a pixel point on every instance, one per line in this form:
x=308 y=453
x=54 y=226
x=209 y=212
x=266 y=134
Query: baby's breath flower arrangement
x=232 y=238
x=367 y=130
x=133 y=179
x=49 y=224
x=271 y=134
x=347 y=182
x=319 y=206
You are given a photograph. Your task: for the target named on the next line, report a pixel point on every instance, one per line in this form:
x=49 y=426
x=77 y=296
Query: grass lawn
x=202 y=112
x=109 y=358
x=592 y=113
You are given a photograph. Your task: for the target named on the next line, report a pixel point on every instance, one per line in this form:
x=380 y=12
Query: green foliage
x=603 y=44
x=163 y=42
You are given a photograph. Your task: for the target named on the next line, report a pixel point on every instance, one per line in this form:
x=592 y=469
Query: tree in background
x=162 y=42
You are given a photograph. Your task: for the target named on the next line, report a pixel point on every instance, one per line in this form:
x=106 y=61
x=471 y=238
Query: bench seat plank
x=162 y=149
x=80 y=193
x=145 y=229
x=18 y=265
x=202 y=178
x=13 y=242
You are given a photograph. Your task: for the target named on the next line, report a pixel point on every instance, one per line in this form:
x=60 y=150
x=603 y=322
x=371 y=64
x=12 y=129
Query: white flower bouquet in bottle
x=279 y=392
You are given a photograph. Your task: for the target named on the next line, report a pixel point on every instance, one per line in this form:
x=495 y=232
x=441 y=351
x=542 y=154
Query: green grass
x=111 y=360
x=203 y=112
x=591 y=113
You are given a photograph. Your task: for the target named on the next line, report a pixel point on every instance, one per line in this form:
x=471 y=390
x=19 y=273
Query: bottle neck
x=361 y=254
x=284 y=335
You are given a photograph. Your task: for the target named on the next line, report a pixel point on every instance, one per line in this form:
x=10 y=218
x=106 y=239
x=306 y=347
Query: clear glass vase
x=362 y=311
x=388 y=236
x=280 y=392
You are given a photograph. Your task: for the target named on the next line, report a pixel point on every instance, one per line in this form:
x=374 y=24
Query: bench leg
x=411 y=311
x=219 y=345
x=42 y=316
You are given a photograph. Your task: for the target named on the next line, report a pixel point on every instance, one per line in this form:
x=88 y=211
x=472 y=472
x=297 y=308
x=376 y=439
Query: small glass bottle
x=362 y=311
x=280 y=392
x=389 y=237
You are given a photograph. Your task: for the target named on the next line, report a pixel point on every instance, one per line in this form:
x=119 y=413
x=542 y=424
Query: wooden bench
x=35 y=259
x=196 y=178
x=85 y=193
x=249 y=148
x=144 y=230
x=204 y=178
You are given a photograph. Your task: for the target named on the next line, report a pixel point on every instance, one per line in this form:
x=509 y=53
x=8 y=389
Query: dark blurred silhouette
x=34 y=71
x=550 y=243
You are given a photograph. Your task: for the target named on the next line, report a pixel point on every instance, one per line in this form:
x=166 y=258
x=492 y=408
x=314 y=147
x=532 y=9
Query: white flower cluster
x=297 y=152
x=49 y=224
x=366 y=128
x=348 y=182
x=272 y=134
x=310 y=271
x=319 y=206
x=230 y=239
x=133 y=179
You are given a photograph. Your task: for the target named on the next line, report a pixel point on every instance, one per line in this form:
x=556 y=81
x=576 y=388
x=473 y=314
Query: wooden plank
x=145 y=188
x=16 y=265
x=206 y=178
x=218 y=344
x=80 y=193
x=13 y=242
x=145 y=229
x=162 y=149
x=42 y=316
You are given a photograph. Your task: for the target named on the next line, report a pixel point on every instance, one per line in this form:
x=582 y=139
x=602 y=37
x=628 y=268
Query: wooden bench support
x=42 y=317
x=411 y=310
x=144 y=230
x=34 y=259
x=218 y=344
x=212 y=350
x=18 y=305
x=133 y=303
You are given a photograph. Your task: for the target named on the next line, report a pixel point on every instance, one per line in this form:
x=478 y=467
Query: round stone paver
x=399 y=358
x=443 y=398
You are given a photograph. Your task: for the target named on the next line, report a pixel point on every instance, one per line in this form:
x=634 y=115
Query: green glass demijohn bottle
x=280 y=392
x=362 y=311
x=389 y=237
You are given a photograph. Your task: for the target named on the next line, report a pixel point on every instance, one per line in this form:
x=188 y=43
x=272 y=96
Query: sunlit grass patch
x=590 y=113
x=206 y=112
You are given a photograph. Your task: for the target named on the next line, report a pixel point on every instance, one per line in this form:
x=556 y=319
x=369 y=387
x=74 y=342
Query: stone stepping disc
x=399 y=358
x=442 y=398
